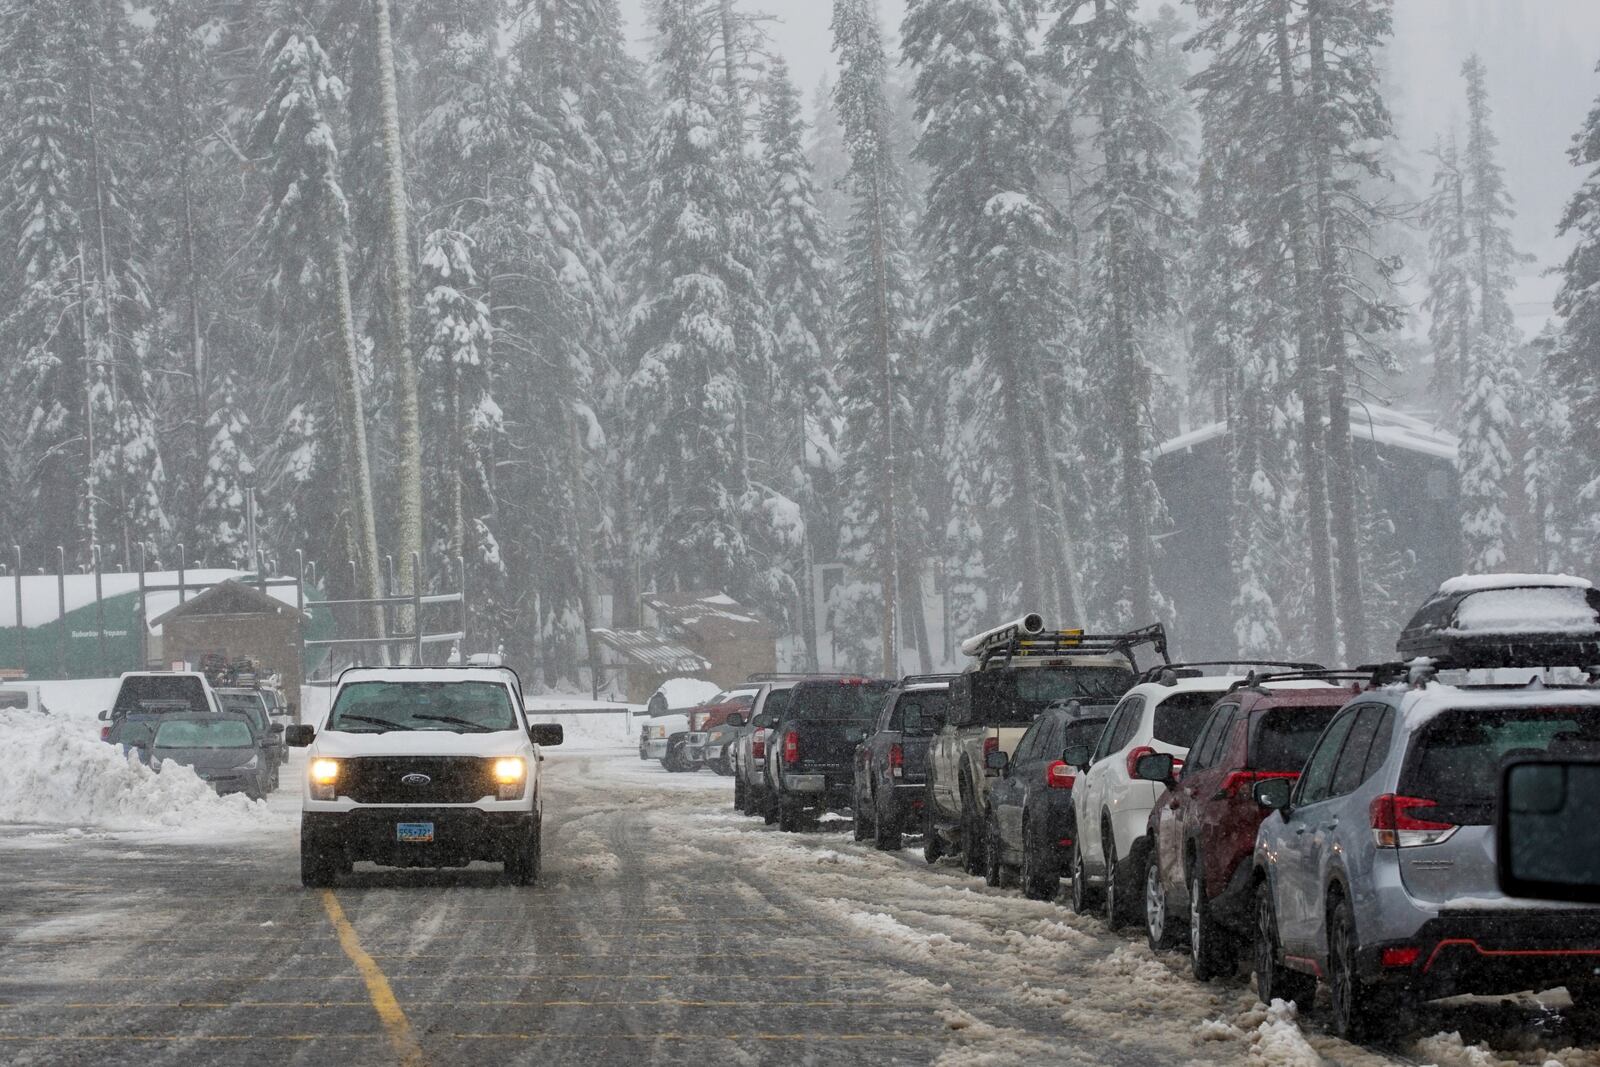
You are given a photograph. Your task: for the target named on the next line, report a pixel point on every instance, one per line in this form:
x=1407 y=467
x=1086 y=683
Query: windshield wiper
x=385 y=723
x=452 y=720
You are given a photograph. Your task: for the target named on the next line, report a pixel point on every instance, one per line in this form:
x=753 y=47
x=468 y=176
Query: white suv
x=1112 y=806
x=423 y=767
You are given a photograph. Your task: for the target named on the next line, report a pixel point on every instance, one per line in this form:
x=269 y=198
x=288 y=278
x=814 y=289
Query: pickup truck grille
x=451 y=779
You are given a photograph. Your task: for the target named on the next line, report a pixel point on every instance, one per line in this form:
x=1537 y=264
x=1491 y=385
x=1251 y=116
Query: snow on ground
x=58 y=773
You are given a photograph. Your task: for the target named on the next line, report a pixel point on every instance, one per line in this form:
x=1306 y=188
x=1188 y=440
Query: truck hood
x=421 y=743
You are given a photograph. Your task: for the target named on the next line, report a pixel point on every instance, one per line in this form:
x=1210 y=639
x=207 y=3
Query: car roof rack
x=791 y=676
x=1450 y=639
x=1012 y=645
x=1168 y=674
x=927 y=679
x=1372 y=675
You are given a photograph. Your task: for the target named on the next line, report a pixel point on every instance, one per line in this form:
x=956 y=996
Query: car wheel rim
x=1266 y=956
x=1155 y=904
x=1111 y=879
x=1340 y=979
x=1077 y=882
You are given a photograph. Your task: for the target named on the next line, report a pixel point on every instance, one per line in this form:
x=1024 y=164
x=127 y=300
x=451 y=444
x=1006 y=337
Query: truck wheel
x=932 y=846
x=752 y=801
x=523 y=859
x=738 y=795
x=972 y=850
x=858 y=811
x=885 y=828
x=788 y=816
x=769 y=811
x=318 y=867
x=994 y=872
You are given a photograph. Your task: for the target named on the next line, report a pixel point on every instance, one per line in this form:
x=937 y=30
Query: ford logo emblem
x=416 y=779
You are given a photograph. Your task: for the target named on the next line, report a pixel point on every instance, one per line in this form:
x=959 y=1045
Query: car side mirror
x=735 y=720
x=546 y=733
x=1547 y=830
x=299 y=736
x=276 y=728
x=1076 y=756
x=1155 y=767
x=104 y=716
x=996 y=760
x=1273 y=794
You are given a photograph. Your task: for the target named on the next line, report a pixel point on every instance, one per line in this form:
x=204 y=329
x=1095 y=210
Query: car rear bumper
x=460 y=835
x=826 y=789
x=1493 y=952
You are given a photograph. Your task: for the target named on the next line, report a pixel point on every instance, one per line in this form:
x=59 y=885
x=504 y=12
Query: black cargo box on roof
x=1507 y=621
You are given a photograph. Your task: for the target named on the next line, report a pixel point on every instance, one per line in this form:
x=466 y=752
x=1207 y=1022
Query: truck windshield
x=857 y=702
x=454 y=707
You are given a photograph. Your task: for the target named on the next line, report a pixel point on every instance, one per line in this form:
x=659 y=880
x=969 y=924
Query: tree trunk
x=882 y=343
x=1335 y=362
x=353 y=424
x=408 y=532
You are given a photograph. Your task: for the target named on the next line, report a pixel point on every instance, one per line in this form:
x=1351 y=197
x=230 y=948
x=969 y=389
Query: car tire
x=1358 y=1011
x=738 y=795
x=523 y=859
x=1121 y=899
x=1211 y=948
x=788 y=816
x=972 y=834
x=932 y=844
x=994 y=870
x=1584 y=1015
x=319 y=867
x=753 y=804
x=1160 y=925
x=1040 y=873
x=858 y=812
x=885 y=827
x=1274 y=981
x=1085 y=898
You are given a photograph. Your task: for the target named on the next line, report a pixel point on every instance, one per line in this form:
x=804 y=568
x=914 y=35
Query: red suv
x=1203 y=829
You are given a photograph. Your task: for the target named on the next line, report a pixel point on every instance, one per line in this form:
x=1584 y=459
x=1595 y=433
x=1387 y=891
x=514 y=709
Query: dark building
x=1406 y=465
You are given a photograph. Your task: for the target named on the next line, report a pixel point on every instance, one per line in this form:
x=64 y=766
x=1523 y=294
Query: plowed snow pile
x=57 y=772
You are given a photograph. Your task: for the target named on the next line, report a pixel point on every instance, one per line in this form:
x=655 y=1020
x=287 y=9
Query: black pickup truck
x=811 y=749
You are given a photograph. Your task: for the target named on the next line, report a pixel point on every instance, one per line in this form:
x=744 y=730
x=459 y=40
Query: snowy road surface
x=667 y=930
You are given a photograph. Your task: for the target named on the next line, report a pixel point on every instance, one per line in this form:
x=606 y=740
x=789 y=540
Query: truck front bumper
x=460 y=834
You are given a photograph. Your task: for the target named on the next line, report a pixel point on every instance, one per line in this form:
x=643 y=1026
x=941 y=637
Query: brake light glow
x=1395 y=826
x=897 y=761
x=1059 y=775
x=791 y=747
x=758 y=745
x=1402 y=956
x=1238 y=783
x=990 y=744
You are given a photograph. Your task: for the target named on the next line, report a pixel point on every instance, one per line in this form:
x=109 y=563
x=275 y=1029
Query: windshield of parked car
x=1045 y=685
x=776 y=704
x=203 y=733
x=160 y=694
x=1180 y=716
x=1084 y=732
x=855 y=701
x=1455 y=759
x=1284 y=736
x=241 y=704
x=453 y=707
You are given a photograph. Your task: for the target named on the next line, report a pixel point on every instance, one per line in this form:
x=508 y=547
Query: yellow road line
x=278 y=1005
x=546 y=976
x=479 y=1036
x=383 y=1001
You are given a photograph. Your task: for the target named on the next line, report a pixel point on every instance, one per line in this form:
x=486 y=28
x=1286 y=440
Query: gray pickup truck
x=811 y=747
x=892 y=763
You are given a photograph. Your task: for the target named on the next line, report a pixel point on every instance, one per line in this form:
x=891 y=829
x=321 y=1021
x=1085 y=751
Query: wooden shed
x=695 y=635
x=235 y=621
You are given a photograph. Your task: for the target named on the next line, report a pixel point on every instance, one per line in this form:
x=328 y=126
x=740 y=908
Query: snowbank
x=53 y=772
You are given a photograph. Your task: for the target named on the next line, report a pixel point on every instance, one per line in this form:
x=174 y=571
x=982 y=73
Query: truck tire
x=973 y=854
x=738 y=794
x=932 y=846
x=788 y=816
x=319 y=867
x=885 y=828
x=523 y=859
x=858 y=811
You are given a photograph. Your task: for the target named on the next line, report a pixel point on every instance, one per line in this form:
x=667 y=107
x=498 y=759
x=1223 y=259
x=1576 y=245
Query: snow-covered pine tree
x=304 y=233
x=797 y=278
x=688 y=337
x=1449 y=300
x=1575 y=362
x=1489 y=464
x=1099 y=47
x=993 y=240
x=219 y=518
x=829 y=160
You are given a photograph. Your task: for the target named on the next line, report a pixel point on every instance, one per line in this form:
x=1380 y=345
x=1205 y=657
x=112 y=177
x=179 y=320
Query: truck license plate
x=417 y=833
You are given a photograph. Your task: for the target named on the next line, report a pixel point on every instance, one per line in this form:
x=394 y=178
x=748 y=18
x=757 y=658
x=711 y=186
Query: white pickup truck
x=423 y=767
x=1020 y=670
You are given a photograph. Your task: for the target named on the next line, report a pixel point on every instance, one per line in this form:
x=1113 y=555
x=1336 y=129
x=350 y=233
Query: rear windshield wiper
x=452 y=720
x=385 y=723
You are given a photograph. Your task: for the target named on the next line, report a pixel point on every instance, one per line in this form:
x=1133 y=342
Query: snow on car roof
x=1477 y=583
x=1208 y=683
x=428 y=674
x=1437 y=698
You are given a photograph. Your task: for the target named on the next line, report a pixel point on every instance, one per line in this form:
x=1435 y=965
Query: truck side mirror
x=299 y=736
x=734 y=720
x=546 y=733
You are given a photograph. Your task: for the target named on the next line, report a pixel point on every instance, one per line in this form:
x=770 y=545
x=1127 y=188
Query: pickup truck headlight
x=509 y=774
x=324 y=779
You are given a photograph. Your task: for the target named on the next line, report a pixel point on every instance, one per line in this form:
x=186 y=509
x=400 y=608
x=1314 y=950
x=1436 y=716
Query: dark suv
x=892 y=763
x=811 y=748
x=1203 y=829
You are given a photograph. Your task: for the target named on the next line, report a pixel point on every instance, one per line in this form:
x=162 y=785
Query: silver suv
x=1375 y=873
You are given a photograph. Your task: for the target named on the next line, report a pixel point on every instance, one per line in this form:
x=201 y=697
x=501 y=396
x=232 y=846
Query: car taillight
x=1400 y=956
x=1059 y=775
x=990 y=744
x=758 y=745
x=1238 y=783
x=105 y=733
x=791 y=747
x=1394 y=825
x=897 y=761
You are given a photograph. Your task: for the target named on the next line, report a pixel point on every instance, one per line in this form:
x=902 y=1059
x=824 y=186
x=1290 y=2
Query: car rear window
x=1083 y=732
x=776 y=704
x=1180 y=716
x=932 y=703
x=1046 y=685
x=857 y=702
x=1284 y=736
x=1455 y=759
x=160 y=695
x=213 y=733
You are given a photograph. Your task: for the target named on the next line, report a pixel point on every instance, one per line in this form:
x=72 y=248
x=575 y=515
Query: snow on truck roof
x=429 y=674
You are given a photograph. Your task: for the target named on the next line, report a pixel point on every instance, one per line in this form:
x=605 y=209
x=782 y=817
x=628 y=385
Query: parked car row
x=1304 y=825
x=229 y=737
